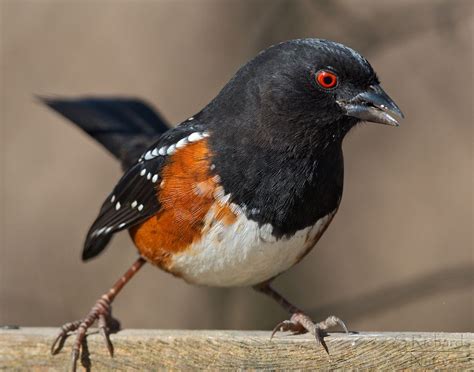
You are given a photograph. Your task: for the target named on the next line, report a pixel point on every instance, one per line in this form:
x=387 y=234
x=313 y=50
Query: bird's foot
x=100 y=312
x=300 y=323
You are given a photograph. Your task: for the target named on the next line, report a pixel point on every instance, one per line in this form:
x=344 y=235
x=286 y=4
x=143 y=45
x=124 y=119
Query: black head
x=308 y=85
x=277 y=129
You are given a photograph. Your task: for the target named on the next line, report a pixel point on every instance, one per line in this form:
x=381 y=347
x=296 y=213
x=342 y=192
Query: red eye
x=326 y=79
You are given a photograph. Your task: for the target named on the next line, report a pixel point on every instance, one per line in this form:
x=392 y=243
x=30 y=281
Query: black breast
x=290 y=190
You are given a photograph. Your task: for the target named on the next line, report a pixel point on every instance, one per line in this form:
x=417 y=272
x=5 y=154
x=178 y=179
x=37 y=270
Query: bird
x=240 y=192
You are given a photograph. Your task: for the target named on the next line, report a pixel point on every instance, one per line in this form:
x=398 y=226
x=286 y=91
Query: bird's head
x=310 y=83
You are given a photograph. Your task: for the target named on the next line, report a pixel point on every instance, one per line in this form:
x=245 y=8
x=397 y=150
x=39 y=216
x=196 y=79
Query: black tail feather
x=93 y=248
x=124 y=126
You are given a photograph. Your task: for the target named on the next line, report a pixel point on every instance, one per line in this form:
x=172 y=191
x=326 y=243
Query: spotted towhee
x=241 y=191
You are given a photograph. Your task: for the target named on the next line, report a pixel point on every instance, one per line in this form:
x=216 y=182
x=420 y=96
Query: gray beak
x=373 y=105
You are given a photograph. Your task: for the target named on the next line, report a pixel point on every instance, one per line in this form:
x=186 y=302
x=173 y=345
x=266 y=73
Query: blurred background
x=399 y=254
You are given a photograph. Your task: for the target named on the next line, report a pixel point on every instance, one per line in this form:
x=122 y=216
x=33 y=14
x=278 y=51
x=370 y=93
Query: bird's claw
x=300 y=323
x=100 y=312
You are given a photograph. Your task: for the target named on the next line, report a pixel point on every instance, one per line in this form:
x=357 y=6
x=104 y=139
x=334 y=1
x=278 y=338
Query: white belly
x=243 y=254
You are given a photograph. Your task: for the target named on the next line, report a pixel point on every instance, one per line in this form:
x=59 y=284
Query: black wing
x=124 y=126
x=134 y=198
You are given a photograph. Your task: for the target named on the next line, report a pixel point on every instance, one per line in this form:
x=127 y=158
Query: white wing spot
x=169 y=150
x=117 y=206
x=140 y=207
x=191 y=118
x=134 y=204
x=112 y=199
x=108 y=229
x=148 y=176
x=142 y=173
x=155 y=178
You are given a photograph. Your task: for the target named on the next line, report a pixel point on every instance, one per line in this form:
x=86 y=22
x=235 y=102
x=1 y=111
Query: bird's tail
x=124 y=126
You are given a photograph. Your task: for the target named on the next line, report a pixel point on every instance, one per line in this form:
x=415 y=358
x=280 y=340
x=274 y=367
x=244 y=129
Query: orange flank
x=186 y=195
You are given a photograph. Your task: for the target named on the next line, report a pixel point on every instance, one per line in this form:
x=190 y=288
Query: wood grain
x=28 y=349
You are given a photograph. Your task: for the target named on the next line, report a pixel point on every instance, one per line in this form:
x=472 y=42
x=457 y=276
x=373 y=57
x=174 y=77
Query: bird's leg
x=100 y=312
x=299 y=322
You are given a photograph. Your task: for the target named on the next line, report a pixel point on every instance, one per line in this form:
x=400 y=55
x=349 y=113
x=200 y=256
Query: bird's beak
x=373 y=105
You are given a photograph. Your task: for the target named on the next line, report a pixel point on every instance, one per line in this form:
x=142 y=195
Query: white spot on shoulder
x=162 y=151
x=194 y=137
x=181 y=143
x=171 y=150
x=117 y=206
x=154 y=152
x=148 y=155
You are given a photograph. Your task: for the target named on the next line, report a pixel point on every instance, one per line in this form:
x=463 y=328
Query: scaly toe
x=64 y=333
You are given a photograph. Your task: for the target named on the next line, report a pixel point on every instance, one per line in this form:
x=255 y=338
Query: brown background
x=398 y=256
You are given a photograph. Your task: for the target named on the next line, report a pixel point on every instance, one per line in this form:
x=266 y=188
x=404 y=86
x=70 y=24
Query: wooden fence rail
x=28 y=349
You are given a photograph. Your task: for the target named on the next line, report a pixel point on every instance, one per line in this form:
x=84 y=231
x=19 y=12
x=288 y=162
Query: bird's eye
x=326 y=79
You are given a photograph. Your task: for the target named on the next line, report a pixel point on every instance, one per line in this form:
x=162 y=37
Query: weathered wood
x=28 y=348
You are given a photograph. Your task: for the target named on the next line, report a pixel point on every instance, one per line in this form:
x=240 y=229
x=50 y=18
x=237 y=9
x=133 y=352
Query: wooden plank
x=28 y=349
